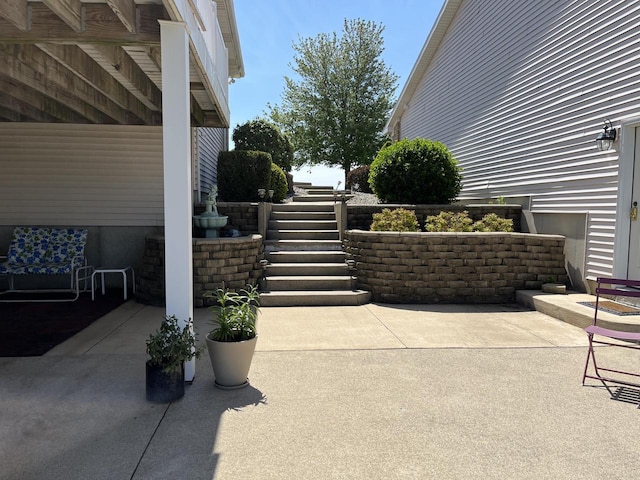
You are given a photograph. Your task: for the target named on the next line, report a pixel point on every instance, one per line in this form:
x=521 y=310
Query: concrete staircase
x=306 y=262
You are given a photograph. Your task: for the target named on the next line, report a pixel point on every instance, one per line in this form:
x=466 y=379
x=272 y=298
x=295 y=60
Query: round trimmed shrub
x=278 y=183
x=415 y=171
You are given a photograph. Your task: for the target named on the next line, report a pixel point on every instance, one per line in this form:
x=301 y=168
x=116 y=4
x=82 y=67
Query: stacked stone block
x=453 y=267
x=242 y=216
x=217 y=262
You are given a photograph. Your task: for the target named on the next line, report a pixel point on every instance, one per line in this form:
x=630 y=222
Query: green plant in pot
x=168 y=348
x=232 y=341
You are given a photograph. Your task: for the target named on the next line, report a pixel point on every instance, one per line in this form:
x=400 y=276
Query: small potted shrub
x=232 y=341
x=168 y=348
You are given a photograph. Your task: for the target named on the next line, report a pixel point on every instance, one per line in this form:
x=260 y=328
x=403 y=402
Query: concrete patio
x=374 y=391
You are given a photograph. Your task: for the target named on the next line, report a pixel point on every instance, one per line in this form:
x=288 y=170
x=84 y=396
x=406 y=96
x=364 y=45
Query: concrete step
x=309 y=235
x=295 y=256
x=313 y=245
x=312 y=198
x=319 y=191
x=304 y=215
x=302 y=207
x=307 y=269
x=308 y=282
x=567 y=309
x=316 y=187
x=302 y=184
x=314 y=298
x=303 y=224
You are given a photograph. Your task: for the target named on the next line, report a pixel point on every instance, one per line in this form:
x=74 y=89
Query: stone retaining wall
x=243 y=216
x=360 y=216
x=453 y=267
x=232 y=261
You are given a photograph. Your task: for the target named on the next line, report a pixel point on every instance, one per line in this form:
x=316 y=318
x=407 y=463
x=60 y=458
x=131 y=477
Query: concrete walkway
x=368 y=392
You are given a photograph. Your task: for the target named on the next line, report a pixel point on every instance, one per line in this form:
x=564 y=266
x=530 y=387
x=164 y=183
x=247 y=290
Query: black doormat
x=613 y=307
x=32 y=329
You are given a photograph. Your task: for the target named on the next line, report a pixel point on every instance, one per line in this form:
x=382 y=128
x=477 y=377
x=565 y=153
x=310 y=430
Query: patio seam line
x=516 y=325
x=391 y=349
x=146 y=447
x=117 y=327
x=385 y=326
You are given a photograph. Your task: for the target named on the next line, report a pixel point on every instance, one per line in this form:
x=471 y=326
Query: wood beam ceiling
x=16 y=13
x=77 y=62
x=99 y=24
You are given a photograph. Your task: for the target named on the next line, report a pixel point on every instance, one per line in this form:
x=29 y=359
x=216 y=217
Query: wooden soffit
x=86 y=61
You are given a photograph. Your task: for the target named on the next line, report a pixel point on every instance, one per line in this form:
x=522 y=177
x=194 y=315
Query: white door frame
x=626 y=151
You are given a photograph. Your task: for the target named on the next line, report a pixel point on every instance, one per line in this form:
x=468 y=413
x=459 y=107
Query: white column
x=176 y=143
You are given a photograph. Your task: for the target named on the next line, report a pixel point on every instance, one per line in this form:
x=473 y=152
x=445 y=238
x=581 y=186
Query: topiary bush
x=397 y=220
x=264 y=136
x=278 y=183
x=491 y=222
x=415 y=171
x=241 y=173
x=461 y=222
x=358 y=179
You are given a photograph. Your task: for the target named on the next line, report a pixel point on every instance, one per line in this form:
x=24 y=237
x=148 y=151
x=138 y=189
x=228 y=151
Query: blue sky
x=268 y=29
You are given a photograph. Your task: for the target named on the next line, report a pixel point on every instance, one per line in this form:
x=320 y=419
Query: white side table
x=121 y=270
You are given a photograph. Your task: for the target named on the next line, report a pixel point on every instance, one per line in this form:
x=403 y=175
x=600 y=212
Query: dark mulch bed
x=32 y=329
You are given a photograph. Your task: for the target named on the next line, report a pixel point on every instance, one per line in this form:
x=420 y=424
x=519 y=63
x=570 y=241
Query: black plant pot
x=164 y=387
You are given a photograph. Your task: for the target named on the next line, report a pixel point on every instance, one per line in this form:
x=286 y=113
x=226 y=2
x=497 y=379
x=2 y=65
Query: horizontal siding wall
x=210 y=142
x=518 y=92
x=80 y=175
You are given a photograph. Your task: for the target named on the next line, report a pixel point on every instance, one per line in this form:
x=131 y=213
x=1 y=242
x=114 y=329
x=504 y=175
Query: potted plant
x=168 y=348
x=232 y=341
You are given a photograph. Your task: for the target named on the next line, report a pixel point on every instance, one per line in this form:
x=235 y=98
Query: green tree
x=264 y=136
x=336 y=108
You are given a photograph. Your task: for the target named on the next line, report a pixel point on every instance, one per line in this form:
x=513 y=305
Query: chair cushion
x=66 y=244
x=28 y=246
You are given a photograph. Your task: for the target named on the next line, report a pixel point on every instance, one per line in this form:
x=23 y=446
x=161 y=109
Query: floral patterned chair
x=47 y=251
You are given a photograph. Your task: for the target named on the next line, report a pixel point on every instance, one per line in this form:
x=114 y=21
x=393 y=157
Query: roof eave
x=430 y=47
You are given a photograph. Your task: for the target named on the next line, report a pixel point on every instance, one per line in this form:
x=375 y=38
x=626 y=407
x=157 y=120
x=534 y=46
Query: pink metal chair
x=598 y=335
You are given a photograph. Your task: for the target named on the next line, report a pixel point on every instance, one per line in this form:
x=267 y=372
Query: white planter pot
x=231 y=361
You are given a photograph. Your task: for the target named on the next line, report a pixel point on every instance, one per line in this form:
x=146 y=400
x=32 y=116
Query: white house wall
x=518 y=92
x=80 y=175
x=209 y=142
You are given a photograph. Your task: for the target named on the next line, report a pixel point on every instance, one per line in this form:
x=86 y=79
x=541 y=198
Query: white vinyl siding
x=209 y=142
x=80 y=175
x=518 y=91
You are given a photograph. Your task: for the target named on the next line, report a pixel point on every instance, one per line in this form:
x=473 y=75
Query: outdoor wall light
x=604 y=141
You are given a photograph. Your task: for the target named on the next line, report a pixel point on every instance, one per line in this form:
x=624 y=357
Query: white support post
x=176 y=143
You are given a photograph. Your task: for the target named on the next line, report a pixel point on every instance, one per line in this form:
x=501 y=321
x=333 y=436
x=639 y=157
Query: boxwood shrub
x=278 y=183
x=241 y=173
x=415 y=171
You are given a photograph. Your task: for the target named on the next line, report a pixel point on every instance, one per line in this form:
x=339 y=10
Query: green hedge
x=241 y=173
x=278 y=183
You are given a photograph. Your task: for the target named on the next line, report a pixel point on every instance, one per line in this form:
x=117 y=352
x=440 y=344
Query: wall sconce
x=604 y=141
